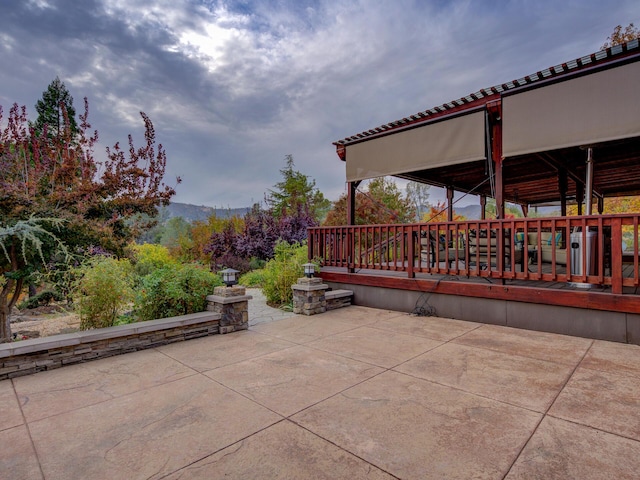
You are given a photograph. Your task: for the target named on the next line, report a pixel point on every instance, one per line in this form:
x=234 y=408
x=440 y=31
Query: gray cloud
x=232 y=87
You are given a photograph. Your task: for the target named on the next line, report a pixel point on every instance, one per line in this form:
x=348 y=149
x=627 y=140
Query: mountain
x=192 y=213
x=470 y=212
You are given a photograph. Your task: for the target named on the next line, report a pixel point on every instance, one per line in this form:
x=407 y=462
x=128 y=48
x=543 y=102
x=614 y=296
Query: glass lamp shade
x=229 y=276
x=309 y=269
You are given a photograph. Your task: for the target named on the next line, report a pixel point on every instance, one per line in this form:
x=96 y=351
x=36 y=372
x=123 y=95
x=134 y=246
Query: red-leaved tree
x=56 y=199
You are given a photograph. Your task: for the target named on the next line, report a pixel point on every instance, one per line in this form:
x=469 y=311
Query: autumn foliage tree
x=64 y=200
x=382 y=202
x=619 y=36
x=439 y=213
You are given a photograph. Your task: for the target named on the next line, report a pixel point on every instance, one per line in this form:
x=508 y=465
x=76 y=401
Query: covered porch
x=569 y=134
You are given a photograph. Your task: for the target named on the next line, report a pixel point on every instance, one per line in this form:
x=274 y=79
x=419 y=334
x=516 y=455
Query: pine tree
x=55 y=110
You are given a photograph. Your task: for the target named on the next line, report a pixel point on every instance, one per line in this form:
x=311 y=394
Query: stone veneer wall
x=309 y=296
x=47 y=353
x=233 y=306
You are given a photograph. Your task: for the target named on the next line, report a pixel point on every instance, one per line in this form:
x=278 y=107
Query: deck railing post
x=411 y=253
x=616 y=256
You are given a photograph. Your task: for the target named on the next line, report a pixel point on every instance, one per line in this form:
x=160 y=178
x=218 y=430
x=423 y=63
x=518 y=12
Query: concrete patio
x=352 y=393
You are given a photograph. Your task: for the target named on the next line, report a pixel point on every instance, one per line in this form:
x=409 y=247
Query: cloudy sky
x=234 y=86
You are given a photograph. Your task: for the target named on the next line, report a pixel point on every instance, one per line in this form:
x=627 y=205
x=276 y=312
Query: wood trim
x=565 y=298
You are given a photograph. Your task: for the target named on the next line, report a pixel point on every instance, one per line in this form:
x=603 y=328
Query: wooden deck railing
x=598 y=249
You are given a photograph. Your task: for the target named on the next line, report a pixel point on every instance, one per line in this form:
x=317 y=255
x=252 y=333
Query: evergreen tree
x=55 y=110
x=296 y=193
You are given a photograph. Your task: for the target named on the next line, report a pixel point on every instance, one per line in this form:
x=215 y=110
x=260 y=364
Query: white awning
x=585 y=110
x=447 y=142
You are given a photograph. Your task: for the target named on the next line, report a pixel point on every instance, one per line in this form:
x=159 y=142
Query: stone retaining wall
x=30 y=356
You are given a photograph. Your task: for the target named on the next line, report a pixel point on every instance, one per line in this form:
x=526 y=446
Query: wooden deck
x=397 y=256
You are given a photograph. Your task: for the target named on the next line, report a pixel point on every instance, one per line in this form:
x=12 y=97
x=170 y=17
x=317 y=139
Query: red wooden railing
x=597 y=249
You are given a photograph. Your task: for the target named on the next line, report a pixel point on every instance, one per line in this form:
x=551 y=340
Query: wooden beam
x=553 y=163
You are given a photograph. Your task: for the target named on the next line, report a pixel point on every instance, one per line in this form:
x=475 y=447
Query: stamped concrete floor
x=353 y=393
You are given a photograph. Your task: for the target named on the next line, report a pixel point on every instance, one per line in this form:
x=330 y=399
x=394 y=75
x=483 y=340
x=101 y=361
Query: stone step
x=338 y=298
x=340 y=293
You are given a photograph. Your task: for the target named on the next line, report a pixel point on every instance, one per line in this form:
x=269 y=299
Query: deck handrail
x=596 y=249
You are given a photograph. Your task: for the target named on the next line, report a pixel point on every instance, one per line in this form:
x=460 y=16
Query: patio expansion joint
x=201 y=372
x=595 y=429
x=546 y=413
x=112 y=397
x=236 y=443
x=26 y=425
x=379 y=467
x=528 y=357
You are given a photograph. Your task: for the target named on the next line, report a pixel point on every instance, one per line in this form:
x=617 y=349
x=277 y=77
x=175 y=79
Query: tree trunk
x=5 y=326
x=8 y=298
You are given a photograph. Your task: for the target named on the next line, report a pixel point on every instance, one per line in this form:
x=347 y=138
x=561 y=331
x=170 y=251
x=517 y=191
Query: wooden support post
x=562 y=187
x=450 y=204
x=351 y=220
x=483 y=207
x=579 y=196
x=499 y=190
x=589 y=181
x=351 y=202
x=495 y=123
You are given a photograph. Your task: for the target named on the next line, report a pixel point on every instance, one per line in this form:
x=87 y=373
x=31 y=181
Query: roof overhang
x=546 y=120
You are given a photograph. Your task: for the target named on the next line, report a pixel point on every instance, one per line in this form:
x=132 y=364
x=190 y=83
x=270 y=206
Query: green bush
x=174 y=290
x=255 y=278
x=43 y=298
x=149 y=257
x=282 y=271
x=256 y=263
x=104 y=286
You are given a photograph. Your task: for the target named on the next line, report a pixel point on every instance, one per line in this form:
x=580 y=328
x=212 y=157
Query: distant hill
x=192 y=213
x=472 y=212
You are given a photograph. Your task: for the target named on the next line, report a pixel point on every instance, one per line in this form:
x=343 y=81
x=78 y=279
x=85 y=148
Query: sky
x=232 y=87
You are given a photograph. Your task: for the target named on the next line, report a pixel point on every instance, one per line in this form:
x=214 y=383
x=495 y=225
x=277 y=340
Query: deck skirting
x=587 y=314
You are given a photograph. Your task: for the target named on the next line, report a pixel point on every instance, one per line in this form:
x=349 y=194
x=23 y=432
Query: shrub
x=103 y=288
x=174 y=290
x=149 y=257
x=228 y=260
x=256 y=263
x=281 y=272
x=41 y=299
x=254 y=278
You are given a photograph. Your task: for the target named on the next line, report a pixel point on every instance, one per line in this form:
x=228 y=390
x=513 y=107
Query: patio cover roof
x=546 y=119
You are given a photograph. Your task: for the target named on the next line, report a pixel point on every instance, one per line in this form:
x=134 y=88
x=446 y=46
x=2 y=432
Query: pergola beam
x=557 y=166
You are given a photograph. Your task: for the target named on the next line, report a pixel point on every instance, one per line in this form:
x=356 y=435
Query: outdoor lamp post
x=229 y=276
x=309 y=269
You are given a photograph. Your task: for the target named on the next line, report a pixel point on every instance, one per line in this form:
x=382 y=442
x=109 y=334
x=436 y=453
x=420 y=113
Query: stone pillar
x=308 y=296
x=232 y=304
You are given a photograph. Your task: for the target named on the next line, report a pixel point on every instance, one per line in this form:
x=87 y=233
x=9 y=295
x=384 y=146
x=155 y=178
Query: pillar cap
x=226 y=300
